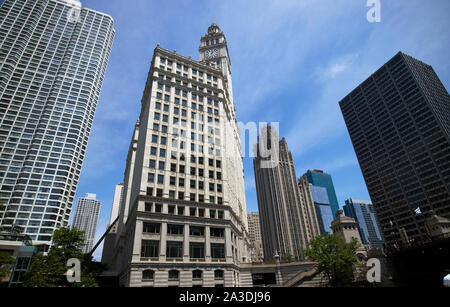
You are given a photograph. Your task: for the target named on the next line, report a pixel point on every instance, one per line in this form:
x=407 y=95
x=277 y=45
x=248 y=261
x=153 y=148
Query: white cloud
x=335 y=68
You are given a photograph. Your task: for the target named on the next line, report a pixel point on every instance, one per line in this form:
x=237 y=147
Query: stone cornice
x=189 y=60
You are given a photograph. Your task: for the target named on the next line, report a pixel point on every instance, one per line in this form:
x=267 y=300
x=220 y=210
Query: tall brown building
x=287 y=215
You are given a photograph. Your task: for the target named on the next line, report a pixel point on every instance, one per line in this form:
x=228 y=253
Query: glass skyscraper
x=321 y=179
x=53 y=57
x=364 y=214
x=323 y=209
x=399 y=123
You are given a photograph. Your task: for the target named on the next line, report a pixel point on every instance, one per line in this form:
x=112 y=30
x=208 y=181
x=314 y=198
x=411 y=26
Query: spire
x=213 y=28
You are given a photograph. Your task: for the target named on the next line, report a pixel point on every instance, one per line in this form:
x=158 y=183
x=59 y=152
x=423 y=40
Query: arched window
x=218 y=274
x=174 y=275
x=148 y=275
x=197 y=275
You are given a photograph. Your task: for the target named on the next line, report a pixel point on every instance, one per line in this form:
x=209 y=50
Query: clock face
x=212 y=53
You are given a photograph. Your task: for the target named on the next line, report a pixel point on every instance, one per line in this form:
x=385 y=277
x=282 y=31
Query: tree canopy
x=336 y=259
x=50 y=270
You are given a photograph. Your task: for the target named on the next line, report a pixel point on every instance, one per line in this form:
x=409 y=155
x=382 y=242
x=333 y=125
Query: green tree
x=336 y=259
x=50 y=270
x=6 y=261
x=287 y=258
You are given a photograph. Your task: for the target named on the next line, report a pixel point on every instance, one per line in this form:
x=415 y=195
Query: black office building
x=399 y=123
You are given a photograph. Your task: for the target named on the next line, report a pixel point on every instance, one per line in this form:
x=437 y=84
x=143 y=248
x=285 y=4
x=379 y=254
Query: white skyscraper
x=118 y=192
x=183 y=219
x=53 y=57
x=86 y=218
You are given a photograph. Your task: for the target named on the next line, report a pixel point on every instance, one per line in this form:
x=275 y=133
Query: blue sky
x=292 y=62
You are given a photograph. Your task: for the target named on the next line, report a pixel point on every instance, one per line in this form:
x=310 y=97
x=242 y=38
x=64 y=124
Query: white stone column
x=186 y=244
x=207 y=244
x=163 y=244
x=137 y=241
x=228 y=245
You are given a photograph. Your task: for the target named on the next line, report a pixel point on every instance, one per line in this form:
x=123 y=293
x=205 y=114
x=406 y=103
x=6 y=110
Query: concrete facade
x=347 y=228
x=255 y=237
x=183 y=220
x=287 y=215
x=86 y=219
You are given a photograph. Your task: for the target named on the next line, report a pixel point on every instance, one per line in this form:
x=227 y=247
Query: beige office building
x=254 y=232
x=288 y=219
x=183 y=219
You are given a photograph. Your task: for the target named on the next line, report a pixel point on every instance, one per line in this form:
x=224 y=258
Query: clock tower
x=214 y=52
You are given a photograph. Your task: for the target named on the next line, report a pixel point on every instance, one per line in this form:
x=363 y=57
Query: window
x=212 y=213
x=151 y=177
x=148 y=275
x=162 y=153
x=148 y=207
x=152 y=164
x=192 y=211
x=197 y=275
x=201 y=212
x=158 y=208
x=174 y=275
x=161 y=166
x=180 y=210
x=174 y=249
x=197 y=250
x=218 y=275
x=171 y=209
x=197 y=231
x=217 y=250
x=151 y=228
x=217 y=232
x=161 y=179
x=175 y=229
x=150 y=249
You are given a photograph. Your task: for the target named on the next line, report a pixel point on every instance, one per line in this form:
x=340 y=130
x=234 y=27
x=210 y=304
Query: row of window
x=179 y=210
x=174 y=250
x=173 y=229
x=185 y=68
x=174 y=275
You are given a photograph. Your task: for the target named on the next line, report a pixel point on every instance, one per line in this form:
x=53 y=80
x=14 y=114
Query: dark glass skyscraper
x=323 y=209
x=364 y=214
x=321 y=179
x=399 y=123
x=53 y=57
